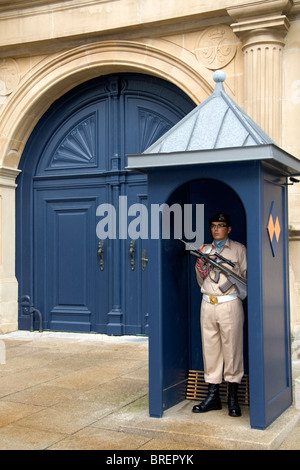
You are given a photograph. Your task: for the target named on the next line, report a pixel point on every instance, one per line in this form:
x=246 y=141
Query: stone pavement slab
x=64 y=391
x=213 y=430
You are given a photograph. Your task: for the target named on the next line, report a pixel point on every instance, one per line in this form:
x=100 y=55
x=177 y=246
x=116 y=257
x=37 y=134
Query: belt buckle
x=213 y=300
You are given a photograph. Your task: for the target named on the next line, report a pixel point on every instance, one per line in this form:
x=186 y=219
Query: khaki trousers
x=222 y=341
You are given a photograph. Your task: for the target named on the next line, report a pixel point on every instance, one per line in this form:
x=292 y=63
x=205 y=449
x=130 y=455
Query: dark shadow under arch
x=179 y=274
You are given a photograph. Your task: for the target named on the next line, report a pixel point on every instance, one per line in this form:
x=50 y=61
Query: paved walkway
x=78 y=391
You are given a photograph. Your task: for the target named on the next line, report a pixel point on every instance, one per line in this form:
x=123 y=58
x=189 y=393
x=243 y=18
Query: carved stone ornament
x=9 y=76
x=217 y=47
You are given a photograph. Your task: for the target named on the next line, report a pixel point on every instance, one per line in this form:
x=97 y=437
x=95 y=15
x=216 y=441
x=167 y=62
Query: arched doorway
x=216 y=196
x=73 y=163
x=180 y=297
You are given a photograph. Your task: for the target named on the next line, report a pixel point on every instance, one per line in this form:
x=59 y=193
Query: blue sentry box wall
x=259 y=185
x=218 y=156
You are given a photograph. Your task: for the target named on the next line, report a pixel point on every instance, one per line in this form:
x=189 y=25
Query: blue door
x=74 y=164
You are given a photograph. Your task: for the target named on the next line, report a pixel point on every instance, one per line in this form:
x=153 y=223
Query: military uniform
x=222 y=317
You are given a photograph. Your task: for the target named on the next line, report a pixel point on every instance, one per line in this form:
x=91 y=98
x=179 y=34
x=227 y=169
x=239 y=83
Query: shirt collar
x=219 y=244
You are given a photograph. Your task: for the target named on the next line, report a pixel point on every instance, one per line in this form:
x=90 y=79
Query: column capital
x=261 y=22
x=8 y=176
x=259 y=9
x=262 y=30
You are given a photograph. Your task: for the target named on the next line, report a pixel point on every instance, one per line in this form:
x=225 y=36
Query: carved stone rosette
x=217 y=47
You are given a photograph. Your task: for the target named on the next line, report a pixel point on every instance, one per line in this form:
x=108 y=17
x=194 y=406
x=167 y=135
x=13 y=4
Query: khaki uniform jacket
x=235 y=252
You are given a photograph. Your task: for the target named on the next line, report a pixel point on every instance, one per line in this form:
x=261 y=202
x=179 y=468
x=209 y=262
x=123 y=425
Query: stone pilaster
x=262 y=44
x=8 y=282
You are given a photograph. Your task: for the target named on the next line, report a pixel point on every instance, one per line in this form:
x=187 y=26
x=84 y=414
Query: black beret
x=220 y=217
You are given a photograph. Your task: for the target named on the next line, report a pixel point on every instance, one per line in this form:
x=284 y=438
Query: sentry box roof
x=216 y=131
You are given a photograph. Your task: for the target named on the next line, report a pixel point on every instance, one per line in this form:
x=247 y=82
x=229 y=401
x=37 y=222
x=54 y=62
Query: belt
x=218 y=300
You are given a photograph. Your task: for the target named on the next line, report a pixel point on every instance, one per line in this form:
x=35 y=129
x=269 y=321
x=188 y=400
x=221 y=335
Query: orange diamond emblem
x=273 y=228
x=277 y=229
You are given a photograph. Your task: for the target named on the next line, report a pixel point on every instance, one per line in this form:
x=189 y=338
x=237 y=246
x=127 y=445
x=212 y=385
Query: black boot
x=233 y=405
x=211 y=402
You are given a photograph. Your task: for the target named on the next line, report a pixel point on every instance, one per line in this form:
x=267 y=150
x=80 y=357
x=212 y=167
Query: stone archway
x=45 y=83
x=56 y=75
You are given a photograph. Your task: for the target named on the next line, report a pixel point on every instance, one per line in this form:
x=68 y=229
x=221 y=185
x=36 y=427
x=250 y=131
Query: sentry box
x=218 y=160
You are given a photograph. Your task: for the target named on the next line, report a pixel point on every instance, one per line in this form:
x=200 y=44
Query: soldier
x=221 y=320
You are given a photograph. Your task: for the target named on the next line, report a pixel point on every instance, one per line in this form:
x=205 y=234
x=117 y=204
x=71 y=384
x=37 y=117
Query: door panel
x=79 y=144
x=68 y=265
x=136 y=268
x=150 y=121
x=69 y=282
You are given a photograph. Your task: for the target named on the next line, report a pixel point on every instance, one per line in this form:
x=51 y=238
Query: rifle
x=232 y=278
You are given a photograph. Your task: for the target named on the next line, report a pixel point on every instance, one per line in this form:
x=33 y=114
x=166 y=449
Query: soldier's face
x=219 y=230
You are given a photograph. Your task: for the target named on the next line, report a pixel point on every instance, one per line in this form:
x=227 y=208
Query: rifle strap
x=204 y=268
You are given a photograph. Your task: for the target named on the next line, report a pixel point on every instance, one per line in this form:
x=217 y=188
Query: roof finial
x=219 y=76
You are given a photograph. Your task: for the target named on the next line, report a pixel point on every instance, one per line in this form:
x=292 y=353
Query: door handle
x=131 y=253
x=144 y=260
x=101 y=254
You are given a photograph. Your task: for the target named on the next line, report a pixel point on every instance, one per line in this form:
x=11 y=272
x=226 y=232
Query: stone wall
x=256 y=43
